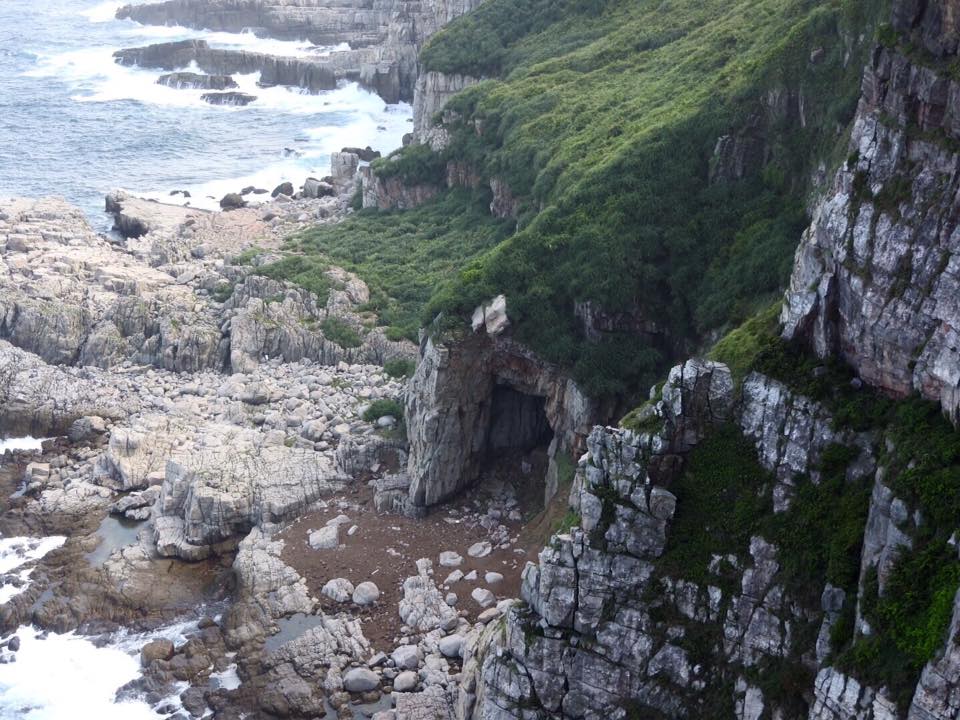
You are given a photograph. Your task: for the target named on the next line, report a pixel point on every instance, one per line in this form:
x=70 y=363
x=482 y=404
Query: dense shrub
x=382 y=408
x=400 y=368
x=338 y=331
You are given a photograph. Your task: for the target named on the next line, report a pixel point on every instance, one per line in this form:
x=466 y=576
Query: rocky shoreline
x=204 y=423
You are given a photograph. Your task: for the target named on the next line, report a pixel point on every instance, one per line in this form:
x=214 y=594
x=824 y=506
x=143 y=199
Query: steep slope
x=779 y=540
x=654 y=160
x=877 y=275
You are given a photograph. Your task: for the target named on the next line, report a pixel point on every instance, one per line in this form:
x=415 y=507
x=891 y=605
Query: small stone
x=454 y=577
x=405 y=681
x=480 y=549
x=451 y=599
x=492 y=578
x=483 y=597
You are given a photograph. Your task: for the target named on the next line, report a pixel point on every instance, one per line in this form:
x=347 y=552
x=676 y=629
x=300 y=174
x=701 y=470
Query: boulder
x=405 y=681
x=451 y=646
x=156 y=650
x=232 y=201
x=358 y=680
x=366 y=593
x=197 y=81
x=339 y=590
x=232 y=97
x=406 y=657
x=284 y=188
x=326 y=538
x=313 y=188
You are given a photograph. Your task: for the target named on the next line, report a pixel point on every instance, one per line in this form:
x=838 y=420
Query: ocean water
x=66 y=676
x=75 y=124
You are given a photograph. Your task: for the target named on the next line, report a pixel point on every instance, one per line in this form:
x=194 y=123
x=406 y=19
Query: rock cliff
x=475 y=396
x=876 y=275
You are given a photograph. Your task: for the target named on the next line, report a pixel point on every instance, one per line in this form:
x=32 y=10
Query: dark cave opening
x=518 y=421
x=518 y=441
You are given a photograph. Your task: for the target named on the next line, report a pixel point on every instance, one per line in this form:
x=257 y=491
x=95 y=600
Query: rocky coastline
x=465 y=538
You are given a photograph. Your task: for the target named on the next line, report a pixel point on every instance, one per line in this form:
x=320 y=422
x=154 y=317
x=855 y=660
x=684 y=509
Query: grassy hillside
x=603 y=118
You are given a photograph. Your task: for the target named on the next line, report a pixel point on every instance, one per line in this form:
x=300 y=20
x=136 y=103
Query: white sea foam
x=85 y=677
x=353 y=115
x=27 y=442
x=18 y=551
x=104 y=12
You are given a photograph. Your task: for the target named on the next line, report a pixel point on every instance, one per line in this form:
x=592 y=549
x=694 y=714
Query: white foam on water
x=354 y=114
x=21 y=443
x=18 y=551
x=225 y=679
x=68 y=676
x=104 y=12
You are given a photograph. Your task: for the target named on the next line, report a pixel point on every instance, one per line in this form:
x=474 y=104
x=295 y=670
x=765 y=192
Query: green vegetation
x=309 y=273
x=381 y=408
x=248 y=255
x=400 y=368
x=336 y=330
x=722 y=497
x=415 y=165
x=820 y=537
x=403 y=255
x=740 y=348
x=222 y=292
x=606 y=116
x=603 y=119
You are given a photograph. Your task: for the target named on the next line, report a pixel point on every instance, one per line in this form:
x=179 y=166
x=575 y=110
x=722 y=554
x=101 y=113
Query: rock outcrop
x=385 y=37
x=475 y=396
x=876 y=275
x=431 y=94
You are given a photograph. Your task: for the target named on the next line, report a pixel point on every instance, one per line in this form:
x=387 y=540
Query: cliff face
x=472 y=398
x=877 y=274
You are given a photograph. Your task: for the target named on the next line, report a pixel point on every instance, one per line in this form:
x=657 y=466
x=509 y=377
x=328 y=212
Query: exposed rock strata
x=450 y=401
x=875 y=277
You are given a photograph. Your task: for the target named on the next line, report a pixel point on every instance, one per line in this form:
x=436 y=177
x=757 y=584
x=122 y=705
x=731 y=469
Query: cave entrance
x=518 y=441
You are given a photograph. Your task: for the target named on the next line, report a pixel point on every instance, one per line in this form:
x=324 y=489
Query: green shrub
x=339 y=332
x=722 y=496
x=222 y=292
x=381 y=408
x=404 y=256
x=247 y=256
x=413 y=165
x=739 y=348
x=307 y=272
x=400 y=368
